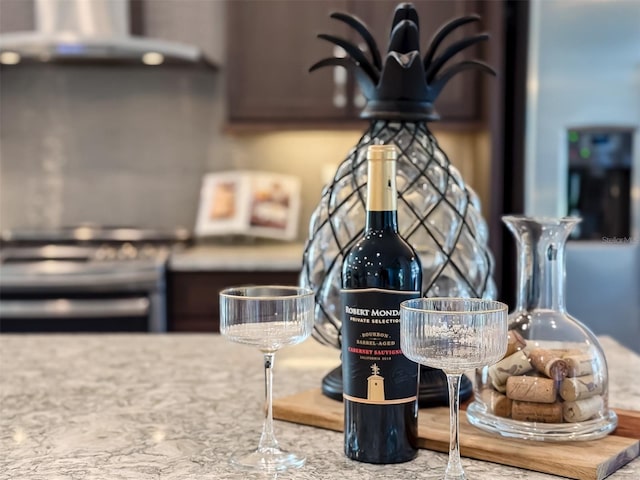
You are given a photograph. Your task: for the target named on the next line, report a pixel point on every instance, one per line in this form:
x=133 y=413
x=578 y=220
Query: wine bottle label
x=374 y=369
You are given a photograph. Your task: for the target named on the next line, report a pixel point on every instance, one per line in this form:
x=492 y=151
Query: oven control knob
x=106 y=253
x=127 y=251
x=148 y=251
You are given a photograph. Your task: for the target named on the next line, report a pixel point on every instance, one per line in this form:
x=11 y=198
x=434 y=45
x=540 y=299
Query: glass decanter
x=552 y=383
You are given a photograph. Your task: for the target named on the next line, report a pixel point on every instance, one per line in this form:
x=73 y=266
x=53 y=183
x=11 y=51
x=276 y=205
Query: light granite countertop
x=167 y=406
x=239 y=256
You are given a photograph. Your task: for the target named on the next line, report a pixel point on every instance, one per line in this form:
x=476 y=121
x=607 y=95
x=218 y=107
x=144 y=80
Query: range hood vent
x=91 y=31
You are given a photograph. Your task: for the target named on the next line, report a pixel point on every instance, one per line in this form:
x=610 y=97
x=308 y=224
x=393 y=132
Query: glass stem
x=454 y=467
x=268 y=439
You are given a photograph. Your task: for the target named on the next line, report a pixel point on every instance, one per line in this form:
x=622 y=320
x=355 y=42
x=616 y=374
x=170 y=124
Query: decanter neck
x=541 y=246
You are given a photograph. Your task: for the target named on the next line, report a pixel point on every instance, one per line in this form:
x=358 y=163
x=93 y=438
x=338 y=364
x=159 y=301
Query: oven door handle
x=75 y=308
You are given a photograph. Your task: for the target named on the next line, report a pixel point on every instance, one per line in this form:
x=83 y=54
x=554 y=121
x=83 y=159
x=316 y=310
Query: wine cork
x=549 y=363
x=515 y=343
x=531 y=389
x=499 y=388
x=579 y=388
x=515 y=364
x=497 y=403
x=570 y=351
x=536 y=412
x=579 y=364
x=582 y=410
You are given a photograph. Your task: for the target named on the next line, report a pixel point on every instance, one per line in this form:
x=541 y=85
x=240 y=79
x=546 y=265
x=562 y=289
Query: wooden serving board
x=589 y=460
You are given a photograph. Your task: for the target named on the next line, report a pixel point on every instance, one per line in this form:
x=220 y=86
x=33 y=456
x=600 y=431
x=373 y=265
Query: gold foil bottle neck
x=382 y=152
x=381 y=181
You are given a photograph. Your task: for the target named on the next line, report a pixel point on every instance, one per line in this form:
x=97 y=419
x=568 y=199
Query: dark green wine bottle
x=379 y=272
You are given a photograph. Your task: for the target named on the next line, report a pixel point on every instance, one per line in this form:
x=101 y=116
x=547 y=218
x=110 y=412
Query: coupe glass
x=454 y=335
x=268 y=317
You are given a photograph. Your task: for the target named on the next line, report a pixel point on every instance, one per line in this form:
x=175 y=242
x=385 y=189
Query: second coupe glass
x=454 y=335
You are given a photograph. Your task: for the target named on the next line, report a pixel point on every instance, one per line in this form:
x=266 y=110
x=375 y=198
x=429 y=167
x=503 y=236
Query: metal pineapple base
x=432 y=391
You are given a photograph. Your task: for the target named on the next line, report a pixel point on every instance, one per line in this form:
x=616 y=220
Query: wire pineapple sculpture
x=437 y=212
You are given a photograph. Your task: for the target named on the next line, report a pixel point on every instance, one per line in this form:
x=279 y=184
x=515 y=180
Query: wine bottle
x=379 y=272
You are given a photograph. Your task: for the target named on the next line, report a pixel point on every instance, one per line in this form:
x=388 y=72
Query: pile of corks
x=544 y=385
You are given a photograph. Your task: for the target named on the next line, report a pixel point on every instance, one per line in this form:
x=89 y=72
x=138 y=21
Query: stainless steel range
x=85 y=278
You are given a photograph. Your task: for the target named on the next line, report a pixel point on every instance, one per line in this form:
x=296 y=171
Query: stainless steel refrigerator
x=582 y=151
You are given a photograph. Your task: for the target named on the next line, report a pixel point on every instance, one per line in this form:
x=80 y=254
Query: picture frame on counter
x=251 y=203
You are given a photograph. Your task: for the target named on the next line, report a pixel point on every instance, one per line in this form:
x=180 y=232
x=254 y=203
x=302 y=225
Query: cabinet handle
x=339 y=81
x=75 y=308
x=359 y=100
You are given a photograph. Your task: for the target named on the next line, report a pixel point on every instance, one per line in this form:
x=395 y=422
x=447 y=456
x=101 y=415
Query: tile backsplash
x=129 y=146
x=104 y=144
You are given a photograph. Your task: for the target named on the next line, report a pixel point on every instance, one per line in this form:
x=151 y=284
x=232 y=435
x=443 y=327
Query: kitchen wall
x=124 y=145
x=104 y=144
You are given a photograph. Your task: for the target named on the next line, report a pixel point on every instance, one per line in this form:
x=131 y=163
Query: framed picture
x=259 y=204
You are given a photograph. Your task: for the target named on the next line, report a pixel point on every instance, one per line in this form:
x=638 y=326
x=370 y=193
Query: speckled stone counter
x=258 y=256
x=175 y=406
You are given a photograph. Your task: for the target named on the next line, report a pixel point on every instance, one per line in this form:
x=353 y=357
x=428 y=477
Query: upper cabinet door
x=270 y=46
x=460 y=99
x=272 y=43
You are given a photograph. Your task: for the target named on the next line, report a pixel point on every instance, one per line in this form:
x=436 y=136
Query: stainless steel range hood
x=91 y=31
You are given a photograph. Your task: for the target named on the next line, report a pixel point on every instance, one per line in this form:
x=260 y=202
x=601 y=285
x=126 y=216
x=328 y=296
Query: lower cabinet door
x=193 y=300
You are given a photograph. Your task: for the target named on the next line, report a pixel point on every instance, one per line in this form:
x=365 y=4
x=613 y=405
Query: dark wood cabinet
x=271 y=46
x=193 y=300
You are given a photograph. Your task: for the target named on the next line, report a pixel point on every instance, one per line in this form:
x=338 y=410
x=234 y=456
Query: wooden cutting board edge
x=313 y=408
x=615 y=451
x=628 y=423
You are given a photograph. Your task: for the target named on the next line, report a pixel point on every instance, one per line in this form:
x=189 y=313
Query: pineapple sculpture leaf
x=401 y=77
x=437 y=212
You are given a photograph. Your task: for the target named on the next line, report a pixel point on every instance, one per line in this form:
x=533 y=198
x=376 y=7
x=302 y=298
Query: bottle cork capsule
x=579 y=388
x=531 y=389
x=515 y=364
x=382 y=152
x=536 y=412
x=549 y=363
x=497 y=403
x=582 y=410
x=579 y=364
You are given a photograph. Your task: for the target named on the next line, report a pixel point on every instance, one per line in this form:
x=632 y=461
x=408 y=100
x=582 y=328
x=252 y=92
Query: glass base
x=267 y=460
x=452 y=476
x=548 y=432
